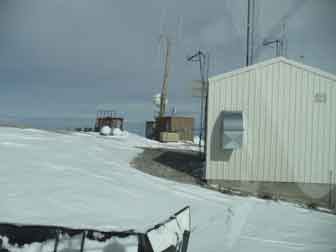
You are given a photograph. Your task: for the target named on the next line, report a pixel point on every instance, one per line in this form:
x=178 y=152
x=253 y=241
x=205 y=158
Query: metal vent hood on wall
x=232 y=130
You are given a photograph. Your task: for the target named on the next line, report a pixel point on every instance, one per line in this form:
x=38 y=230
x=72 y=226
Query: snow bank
x=85 y=180
x=118 y=132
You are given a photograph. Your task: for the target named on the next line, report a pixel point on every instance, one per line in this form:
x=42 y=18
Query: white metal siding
x=288 y=137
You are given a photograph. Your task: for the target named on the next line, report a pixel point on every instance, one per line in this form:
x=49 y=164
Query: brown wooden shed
x=184 y=126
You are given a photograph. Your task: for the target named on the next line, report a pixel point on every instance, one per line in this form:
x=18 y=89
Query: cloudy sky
x=66 y=58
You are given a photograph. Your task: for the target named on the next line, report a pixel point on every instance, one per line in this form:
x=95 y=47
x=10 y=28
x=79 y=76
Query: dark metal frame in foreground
x=20 y=235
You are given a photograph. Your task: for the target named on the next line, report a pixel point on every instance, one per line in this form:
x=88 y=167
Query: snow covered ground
x=85 y=180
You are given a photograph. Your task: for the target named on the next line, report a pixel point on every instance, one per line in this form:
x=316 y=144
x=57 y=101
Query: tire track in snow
x=236 y=220
x=206 y=196
x=13 y=144
x=291 y=245
x=110 y=181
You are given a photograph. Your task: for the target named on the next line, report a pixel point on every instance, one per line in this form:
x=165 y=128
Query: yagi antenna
x=279 y=42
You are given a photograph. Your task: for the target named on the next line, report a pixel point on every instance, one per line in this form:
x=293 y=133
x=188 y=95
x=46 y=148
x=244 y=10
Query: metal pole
x=207 y=60
x=201 y=58
x=202 y=99
x=252 y=27
x=82 y=242
x=56 y=241
x=248 y=33
x=277 y=48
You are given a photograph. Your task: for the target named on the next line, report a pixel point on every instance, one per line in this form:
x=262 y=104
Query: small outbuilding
x=271 y=129
x=182 y=127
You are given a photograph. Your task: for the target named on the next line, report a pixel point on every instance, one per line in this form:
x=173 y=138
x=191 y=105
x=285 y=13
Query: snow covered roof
x=284 y=60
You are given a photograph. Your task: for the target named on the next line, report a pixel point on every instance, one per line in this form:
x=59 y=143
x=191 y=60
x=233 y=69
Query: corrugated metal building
x=272 y=122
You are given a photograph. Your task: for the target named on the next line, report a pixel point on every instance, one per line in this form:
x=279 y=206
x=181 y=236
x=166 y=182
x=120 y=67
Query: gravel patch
x=178 y=165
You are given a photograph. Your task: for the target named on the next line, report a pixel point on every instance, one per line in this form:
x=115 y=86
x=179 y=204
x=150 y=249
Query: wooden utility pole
x=164 y=91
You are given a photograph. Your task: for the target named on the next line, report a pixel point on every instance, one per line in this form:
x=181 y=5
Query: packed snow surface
x=118 y=132
x=85 y=180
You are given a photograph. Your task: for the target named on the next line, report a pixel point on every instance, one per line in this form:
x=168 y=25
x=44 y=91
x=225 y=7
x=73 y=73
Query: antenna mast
x=250 y=32
x=203 y=60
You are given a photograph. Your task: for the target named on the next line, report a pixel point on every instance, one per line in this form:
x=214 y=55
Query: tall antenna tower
x=167 y=39
x=250 y=32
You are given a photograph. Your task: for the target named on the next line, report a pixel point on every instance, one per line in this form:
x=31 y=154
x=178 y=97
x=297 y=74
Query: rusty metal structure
x=108 y=118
